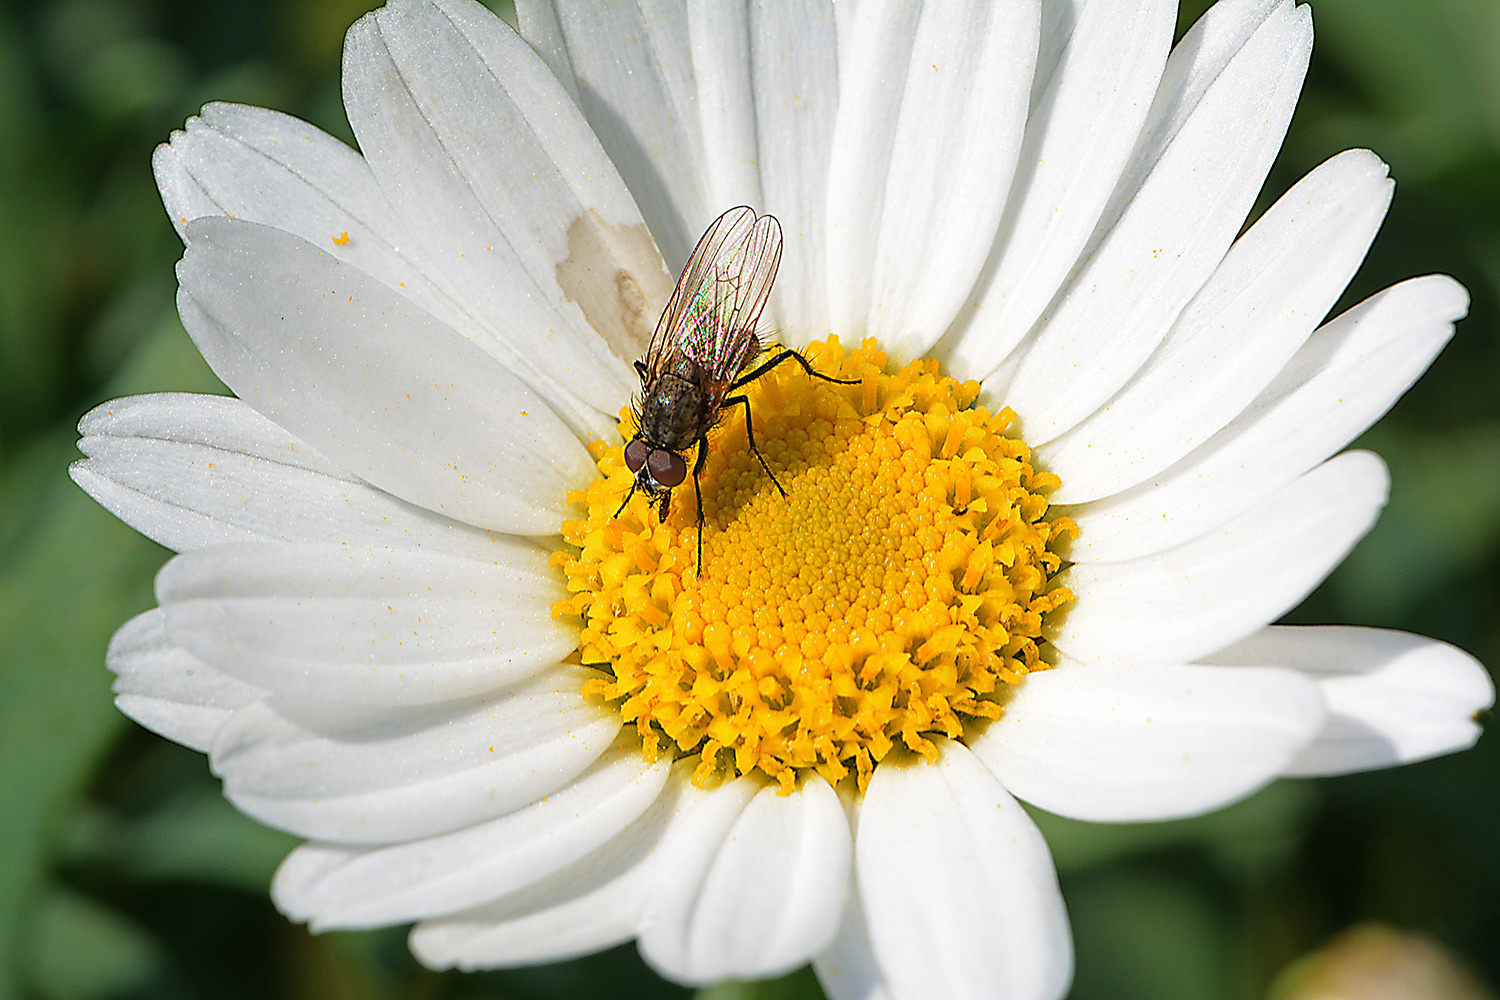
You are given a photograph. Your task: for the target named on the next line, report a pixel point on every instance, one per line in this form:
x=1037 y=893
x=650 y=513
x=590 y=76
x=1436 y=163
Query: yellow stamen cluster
x=893 y=593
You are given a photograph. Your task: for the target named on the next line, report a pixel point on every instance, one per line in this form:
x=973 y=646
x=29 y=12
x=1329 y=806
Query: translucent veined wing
x=718 y=299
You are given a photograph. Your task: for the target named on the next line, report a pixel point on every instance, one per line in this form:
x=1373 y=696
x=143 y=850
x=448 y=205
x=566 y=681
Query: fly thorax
x=672 y=414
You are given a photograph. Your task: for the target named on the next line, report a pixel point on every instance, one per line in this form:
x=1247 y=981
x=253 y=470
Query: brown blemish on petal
x=616 y=276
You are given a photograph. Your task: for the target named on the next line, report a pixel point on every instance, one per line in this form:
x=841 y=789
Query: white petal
x=261 y=166
x=1096 y=74
x=538 y=23
x=929 y=127
x=510 y=195
x=958 y=889
x=167 y=689
x=367 y=625
x=1220 y=114
x=776 y=890
x=1393 y=697
x=875 y=44
x=705 y=818
x=754 y=897
x=847 y=969
x=720 y=40
x=1183 y=603
x=707 y=105
x=1270 y=291
x=384 y=389
x=331 y=885
x=360 y=776
x=182 y=194
x=634 y=82
x=585 y=908
x=1349 y=373
x=794 y=56
x=190 y=471
x=1115 y=744
x=603 y=257
x=767 y=79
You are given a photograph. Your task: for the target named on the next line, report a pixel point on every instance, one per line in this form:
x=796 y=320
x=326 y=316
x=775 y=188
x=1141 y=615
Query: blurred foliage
x=126 y=875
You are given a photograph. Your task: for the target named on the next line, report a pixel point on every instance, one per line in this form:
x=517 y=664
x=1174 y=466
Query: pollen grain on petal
x=895 y=593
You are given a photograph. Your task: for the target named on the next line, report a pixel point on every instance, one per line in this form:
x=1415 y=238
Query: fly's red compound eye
x=635 y=454
x=667 y=467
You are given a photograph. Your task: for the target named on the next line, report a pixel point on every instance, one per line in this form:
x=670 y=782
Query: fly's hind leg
x=750 y=436
x=760 y=370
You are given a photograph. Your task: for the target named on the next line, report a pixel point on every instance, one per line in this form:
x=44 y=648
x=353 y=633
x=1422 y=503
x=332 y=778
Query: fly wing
x=744 y=285
x=711 y=316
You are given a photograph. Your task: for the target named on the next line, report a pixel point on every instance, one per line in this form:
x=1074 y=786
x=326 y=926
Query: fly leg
x=750 y=436
x=698 y=495
x=627 y=499
x=661 y=500
x=760 y=370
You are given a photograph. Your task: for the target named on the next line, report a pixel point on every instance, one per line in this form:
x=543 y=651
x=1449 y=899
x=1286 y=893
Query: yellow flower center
x=895 y=592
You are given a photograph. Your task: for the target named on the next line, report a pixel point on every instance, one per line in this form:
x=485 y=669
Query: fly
x=698 y=355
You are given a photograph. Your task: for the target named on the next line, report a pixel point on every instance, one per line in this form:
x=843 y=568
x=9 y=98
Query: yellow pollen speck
x=897 y=591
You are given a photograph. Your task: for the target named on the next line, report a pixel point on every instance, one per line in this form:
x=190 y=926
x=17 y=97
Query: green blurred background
x=124 y=874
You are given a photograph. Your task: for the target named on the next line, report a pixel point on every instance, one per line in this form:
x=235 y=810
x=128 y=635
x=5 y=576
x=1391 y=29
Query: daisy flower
x=1093 y=451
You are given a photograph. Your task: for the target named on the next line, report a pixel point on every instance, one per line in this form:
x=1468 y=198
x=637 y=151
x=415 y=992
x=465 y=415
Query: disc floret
x=897 y=591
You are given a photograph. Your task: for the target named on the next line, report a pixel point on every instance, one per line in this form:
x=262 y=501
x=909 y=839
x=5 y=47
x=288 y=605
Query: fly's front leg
x=760 y=370
x=627 y=498
x=750 y=436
